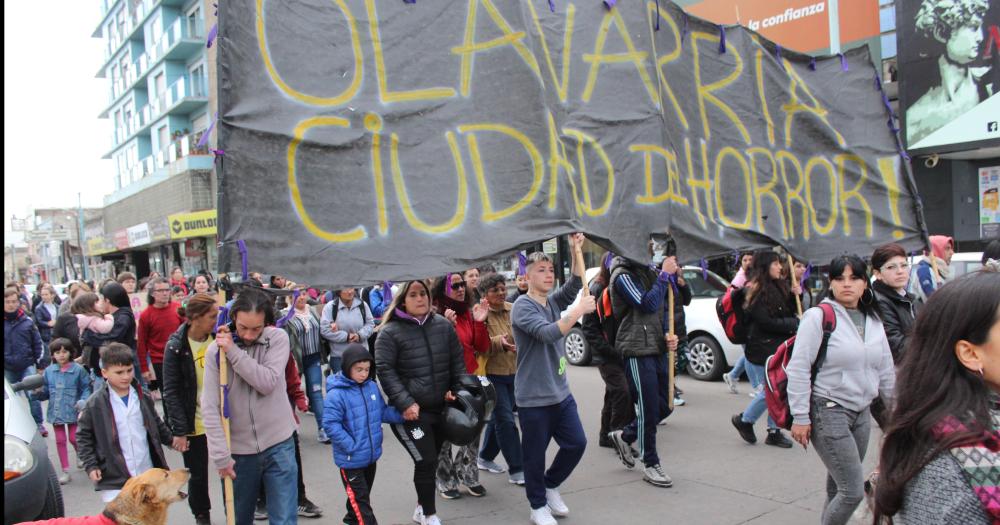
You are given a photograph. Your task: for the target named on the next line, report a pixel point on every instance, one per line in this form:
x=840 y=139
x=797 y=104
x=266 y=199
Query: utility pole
x=79 y=235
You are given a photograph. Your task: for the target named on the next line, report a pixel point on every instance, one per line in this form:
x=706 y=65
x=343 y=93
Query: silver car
x=30 y=487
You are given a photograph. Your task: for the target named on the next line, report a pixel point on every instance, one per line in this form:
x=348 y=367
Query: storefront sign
x=197 y=224
x=99 y=245
x=139 y=235
x=121 y=239
x=989 y=202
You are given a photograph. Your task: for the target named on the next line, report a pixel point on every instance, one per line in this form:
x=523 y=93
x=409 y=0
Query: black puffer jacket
x=418 y=363
x=639 y=333
x=768 y=329
x=180 y=383
x=122 y=332
x=898 y=313
x=66 y=327
x=97 y=438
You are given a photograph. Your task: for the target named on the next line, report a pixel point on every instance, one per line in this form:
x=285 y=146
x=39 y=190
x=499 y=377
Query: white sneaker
x=731 y=383
x=555 y=503
x=542 y=516
x=64 y=478
x=516 y=478
x=432 y=520
x=654 y=476
x=490 y=466
x=418 y=515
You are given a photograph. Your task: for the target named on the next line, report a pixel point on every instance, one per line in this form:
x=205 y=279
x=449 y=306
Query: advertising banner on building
x=139 y=235
x=989 y=202
x=949 y=74
x=195 y=224
x=429 y=136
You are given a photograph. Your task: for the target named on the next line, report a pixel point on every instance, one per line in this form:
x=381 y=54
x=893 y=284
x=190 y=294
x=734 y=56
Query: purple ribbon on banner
x=291 y=311
x=552 y=6
x=607 y=260
x=208 y=131
x=447 y=285
x=218 y=152
x=657 y=15
x=777 y=52
x=843 y=62
x=212 y=33
x=244 y=265
x=722 y=39
x=805 y=276
x=386 y=291
x=704 y=268
x=522 y=264
x=812 y=63
x=610 y=3
x=878 y=82
x=225 y=400
x=409 y=1
x=684 y=31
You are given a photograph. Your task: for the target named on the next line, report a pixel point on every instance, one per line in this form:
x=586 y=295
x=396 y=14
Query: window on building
x=156 y=28
x=888 y=45
x=200 y=123
x=199 y=81
x=164 y=138
x=887 y=18
x=194 y=21
x=159 y=86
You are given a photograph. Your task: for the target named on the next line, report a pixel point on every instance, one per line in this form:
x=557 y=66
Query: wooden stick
x=934 y=268
x=227 y=482
x=791 y=274
x=671 y=355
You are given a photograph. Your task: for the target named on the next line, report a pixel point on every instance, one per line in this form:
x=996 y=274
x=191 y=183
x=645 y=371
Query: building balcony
x=183 y=40
x=131 y=30
x=181 y=155
x=180 y=98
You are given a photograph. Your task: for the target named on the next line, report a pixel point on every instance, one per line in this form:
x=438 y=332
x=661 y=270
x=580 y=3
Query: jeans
x=501 y=432
x=276 y=469
x=840 y=437
x=737 y=370
x=757 y=407
x=312 y=369
x=541 y=425
x=335 y=364
x=35 y=405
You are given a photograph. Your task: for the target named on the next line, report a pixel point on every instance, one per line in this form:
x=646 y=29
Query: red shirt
x=156 y=325
x=474 y=337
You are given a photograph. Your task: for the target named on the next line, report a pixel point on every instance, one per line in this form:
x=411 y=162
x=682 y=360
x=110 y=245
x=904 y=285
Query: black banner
x=388 y=140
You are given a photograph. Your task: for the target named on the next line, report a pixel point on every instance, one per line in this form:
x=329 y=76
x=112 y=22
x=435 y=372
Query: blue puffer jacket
x=353 y=414
x=22 y=346
x=66 y=391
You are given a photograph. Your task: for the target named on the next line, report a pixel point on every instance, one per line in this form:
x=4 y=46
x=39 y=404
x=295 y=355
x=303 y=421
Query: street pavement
x=718 y=479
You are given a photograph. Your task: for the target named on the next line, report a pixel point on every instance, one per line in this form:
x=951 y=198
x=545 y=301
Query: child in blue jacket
x=353 y=414
x=67 y=387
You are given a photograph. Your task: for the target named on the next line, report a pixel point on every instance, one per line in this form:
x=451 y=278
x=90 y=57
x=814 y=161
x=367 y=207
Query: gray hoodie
x=854 y=372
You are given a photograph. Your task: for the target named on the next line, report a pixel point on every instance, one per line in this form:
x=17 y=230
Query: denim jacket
x=66 y=391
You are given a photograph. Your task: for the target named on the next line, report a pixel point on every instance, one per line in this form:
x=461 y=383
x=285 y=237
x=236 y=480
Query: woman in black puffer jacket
x=773 y=318
x=418 y=359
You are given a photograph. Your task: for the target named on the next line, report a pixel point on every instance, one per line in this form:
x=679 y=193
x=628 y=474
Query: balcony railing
x=179 y=148
x=183 y=88
x=182 y=28
x=137 y=12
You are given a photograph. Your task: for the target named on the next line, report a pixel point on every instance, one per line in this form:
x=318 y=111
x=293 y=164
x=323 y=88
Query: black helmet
x=463 y=418
x=483 y=389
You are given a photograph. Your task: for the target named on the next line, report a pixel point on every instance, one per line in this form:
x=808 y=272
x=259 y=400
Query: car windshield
x=713 y=287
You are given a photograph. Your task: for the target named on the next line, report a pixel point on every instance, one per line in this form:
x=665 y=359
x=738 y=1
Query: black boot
x=776 y=439
x=745 y=429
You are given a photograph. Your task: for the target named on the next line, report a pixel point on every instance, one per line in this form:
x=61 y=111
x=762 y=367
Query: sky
x=53 y=140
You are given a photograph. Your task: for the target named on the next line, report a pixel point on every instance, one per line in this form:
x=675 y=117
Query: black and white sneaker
x=308 y=509
x=260 y=512
x=654 y=475
x=623 y=449
x=451 y=494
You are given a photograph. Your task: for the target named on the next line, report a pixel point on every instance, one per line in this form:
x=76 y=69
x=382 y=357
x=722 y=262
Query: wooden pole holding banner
x=671 y=354
x=227 y=482
x=791 y=275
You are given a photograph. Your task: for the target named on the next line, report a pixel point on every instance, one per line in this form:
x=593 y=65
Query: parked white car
x=709 y=351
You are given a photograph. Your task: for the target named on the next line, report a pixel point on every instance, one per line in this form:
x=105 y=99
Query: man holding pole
x=643 y=339
x=546 y=407
x=253 y=354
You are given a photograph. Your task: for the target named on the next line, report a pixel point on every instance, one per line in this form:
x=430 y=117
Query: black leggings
x=423 y=440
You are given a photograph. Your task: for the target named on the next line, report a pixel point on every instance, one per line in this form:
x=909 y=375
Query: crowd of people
x=903 y=346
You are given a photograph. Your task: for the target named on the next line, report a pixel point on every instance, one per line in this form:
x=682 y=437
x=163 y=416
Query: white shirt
x=132 y=436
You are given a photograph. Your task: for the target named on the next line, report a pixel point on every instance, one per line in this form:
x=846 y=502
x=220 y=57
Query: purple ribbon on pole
x=522 y=264
x=610 y=3
x=387 y=291
x=672 y=279
x=843 y=62
x=208 y=131
x=244 y=265
x=552 y=6
x=805 y=276
x=704 y=268
x=607 y=260
x=222 y=319
x=218 y=152
x=225 y=400
x=812 y=63
x=212 y=33
x=291 y=312
x=722 y=39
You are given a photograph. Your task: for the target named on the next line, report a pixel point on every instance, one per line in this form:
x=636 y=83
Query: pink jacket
x=100 y=325
x=260 y=415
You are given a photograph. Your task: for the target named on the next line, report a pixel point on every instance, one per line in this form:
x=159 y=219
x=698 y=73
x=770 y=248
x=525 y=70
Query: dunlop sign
x=196 y=224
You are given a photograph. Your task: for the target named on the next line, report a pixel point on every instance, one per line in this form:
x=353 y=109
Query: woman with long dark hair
x=941 y=455
x=770 y=306
x=830 y=397
x=452 y=298
x=418 y=359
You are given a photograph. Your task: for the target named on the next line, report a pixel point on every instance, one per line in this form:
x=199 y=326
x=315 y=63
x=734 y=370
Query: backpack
x=364 y=320
x=776 y=386
x=732 y=316
x=609 y=325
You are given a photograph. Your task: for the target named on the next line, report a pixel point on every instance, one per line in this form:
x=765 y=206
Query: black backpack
x=364 y=320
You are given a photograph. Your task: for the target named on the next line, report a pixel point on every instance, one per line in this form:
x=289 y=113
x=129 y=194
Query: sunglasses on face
x=459 y=284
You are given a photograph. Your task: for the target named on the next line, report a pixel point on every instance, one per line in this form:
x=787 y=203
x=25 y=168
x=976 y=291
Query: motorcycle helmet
x=463 y=418
x=482 y=389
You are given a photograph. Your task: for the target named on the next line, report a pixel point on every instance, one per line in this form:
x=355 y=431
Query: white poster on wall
x=989 y=202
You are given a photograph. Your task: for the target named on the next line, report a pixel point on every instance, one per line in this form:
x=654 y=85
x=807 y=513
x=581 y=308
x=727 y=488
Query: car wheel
x=53 y=507
x=577 y=349
x=705 y=359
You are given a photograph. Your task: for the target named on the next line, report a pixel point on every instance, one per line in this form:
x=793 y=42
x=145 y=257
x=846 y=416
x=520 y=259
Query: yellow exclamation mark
x=887 y=167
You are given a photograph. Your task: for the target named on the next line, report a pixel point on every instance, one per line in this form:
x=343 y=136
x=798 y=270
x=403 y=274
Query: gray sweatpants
x=840 y=437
